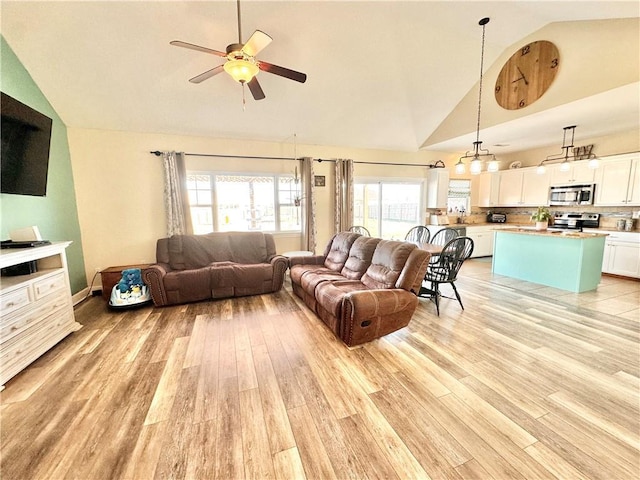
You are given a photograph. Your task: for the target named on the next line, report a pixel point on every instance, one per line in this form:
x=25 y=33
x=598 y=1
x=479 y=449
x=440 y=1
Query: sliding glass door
x=388 y=209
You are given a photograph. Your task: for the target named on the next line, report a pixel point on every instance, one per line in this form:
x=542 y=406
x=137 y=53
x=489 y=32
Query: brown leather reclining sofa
x=191 y=268
x=361 y=287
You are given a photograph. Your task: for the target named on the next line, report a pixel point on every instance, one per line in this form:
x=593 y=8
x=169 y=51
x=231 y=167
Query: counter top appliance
x=572 y=194
x=497 y=217
x=576 y=221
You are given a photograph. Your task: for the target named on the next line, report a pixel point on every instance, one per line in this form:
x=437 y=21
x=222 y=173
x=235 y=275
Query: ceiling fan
x=241 y=63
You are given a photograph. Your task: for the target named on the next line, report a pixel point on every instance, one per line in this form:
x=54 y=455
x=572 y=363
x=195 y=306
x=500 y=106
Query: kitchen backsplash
x=609 y=216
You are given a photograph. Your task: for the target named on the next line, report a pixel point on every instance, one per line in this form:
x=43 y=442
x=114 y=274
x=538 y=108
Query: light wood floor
x=527 y=382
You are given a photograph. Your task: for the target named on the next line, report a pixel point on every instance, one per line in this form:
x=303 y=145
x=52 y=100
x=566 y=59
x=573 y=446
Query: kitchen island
x=567 y=260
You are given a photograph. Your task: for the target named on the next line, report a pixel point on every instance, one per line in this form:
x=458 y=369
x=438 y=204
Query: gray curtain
x=309 y=230
x=176 y=200
x=344 y=195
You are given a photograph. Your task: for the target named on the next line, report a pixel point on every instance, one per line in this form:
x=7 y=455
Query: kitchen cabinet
x=523 y=187
x=579 y=172
x=622 y=254
x=618 y=180
x=437 y=188
x=510 y=188
x=482 y=237
x=488 y=185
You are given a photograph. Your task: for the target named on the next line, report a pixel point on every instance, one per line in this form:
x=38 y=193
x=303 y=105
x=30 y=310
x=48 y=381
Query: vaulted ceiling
x=381 y=75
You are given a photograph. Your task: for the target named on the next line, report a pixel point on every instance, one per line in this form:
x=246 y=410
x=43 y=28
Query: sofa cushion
x=248 y=247
x=330 y=294
x=338 y=252
x=297 y=271
x=388 y=261
x=187 y=286
x=359 y=258
x=312 y=279
x=187 y=252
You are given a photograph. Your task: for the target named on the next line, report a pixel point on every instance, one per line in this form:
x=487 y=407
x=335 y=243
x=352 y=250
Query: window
x=242 y=202
x=459 y=196
x=388 y=209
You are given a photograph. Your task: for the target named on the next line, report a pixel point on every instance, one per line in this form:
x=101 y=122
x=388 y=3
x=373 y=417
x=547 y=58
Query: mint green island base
x=568 y=261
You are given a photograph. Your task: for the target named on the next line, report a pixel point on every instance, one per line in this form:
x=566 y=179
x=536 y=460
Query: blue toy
x=130 y=290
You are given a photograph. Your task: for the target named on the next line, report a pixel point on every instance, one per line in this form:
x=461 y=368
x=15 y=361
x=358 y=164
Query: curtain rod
x=437 y=164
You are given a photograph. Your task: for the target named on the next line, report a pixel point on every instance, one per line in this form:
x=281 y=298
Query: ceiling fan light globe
x=460 y=168
x=492 y=166
x=241 y=71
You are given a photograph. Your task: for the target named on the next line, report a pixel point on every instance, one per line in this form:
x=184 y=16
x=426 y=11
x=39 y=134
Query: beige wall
x=602 y=147
x=119 y=185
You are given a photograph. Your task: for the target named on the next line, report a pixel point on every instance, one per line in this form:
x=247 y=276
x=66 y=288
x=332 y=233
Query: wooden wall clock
x=527 y=75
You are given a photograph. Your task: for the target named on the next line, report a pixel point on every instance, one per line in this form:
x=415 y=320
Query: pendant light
x=580 y=153
x=475 y=166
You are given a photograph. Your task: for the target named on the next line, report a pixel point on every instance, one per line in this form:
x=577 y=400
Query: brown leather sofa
x=361 y=287
x=191 y=268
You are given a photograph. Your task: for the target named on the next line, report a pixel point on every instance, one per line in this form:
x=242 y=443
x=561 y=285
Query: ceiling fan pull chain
x=244 y=101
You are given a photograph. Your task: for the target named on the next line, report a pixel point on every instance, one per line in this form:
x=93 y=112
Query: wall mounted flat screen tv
x=26 y=139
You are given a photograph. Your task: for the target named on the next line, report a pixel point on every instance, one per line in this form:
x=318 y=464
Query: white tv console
x=36 y=311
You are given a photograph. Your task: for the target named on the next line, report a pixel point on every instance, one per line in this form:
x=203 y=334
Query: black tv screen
x=26 y=138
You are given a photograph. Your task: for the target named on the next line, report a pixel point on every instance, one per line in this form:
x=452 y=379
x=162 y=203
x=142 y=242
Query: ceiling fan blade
x=283 y=72
x=256 y=43
x=191 y=46
x=256 y=89
x=208 y=74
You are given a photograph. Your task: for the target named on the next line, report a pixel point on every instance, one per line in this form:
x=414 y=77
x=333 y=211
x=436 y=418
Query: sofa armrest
x=378 y=303
x=309 y=260
x=280 y=264
x=370 y=314
x=153 y=278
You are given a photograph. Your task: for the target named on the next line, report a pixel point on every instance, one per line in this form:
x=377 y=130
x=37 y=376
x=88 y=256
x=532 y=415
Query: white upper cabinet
x=523 y=187
x=488 y=186
x=437 y=188
x=535 y=187
x=634 y=184
x=578 y=173
x=618 y=180
x=510 y=189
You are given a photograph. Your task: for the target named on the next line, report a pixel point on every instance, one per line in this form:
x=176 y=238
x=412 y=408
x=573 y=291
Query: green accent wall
x=56 y=214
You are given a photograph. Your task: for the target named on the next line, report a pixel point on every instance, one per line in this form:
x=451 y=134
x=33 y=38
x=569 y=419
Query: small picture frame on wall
x=319 y=180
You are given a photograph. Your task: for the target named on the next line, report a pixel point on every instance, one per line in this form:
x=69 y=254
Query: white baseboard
x=83 y=295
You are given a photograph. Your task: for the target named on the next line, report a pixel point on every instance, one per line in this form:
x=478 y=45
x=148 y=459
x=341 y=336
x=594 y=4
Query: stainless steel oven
x=572 y=194
x=575 y=221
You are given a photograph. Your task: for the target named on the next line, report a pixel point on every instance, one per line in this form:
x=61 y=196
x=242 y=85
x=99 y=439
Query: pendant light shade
x=478 y=152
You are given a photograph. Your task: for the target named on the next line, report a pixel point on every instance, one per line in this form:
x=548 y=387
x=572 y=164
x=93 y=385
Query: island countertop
x=552 y=233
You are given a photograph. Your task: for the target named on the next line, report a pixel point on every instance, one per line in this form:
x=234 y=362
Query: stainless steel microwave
x=572 y=194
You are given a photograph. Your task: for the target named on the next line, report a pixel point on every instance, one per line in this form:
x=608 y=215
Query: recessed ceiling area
x=604 y=114
x=381 y=75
